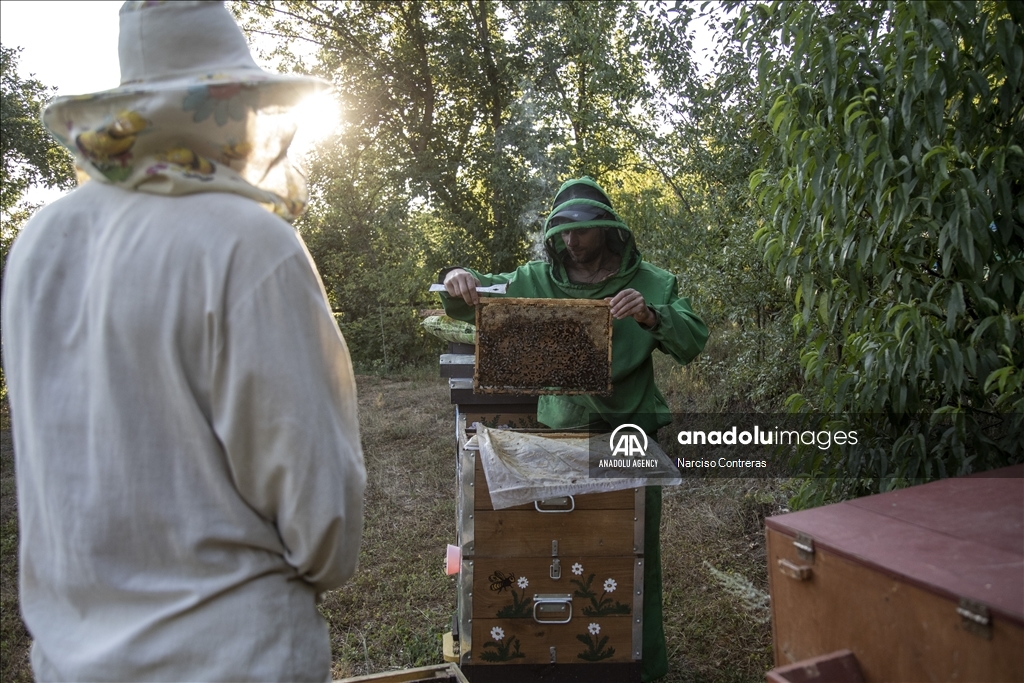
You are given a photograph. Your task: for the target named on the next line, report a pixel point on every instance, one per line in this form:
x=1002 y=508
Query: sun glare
x=318 y=116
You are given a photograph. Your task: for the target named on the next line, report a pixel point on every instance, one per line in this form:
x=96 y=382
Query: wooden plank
x=445 y=672
x=525 y=533
x=469 y=398
x=898 y=631
x=600 y=586
x=835 y=667
x=987 y=510
x=612 y=500
x=515 y=416
x=602 y=672
x=524 y=641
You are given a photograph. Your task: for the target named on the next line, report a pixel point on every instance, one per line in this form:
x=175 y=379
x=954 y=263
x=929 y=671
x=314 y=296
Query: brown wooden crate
x=897 y=630
x=959 y=538
x=526 y=533
x=612 y=500
x=496 y=592
x=536 y=640
x=543 y=346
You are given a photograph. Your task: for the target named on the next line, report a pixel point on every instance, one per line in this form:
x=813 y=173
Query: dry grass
x=713 y=552
x=393 y=612
x=14 y=639
x=715 y=578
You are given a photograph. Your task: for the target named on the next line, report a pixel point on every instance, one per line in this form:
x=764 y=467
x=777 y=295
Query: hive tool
x=493 y=289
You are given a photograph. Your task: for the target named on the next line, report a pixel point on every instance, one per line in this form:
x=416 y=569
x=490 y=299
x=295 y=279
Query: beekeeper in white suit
x=184 y=412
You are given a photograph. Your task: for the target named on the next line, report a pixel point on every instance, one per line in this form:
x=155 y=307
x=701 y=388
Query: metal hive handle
x=561 y=500
x=546 y=601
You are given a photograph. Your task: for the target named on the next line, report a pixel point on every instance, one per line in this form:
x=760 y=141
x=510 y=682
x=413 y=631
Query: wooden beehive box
x=921 y=584
x=491 y=410
x=553 y=588
x=543 y=346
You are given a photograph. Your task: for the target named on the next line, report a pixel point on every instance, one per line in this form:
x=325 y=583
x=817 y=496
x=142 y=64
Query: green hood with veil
x=581 y=203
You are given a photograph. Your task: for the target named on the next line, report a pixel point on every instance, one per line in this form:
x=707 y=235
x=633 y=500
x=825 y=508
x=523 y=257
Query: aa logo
x=629 y=441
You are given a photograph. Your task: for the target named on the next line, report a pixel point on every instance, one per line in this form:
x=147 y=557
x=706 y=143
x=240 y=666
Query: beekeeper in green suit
x=592 y=255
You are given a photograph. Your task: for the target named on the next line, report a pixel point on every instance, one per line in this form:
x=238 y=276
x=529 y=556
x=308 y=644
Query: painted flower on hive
x=577 y=569
x=597 y=648
x=523 y=582
x=497 y=633
x=610 y=585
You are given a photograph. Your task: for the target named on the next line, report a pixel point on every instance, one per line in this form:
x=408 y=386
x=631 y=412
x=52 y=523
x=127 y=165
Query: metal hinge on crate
x=975 y=618
x=555 y=571
x=804 y=545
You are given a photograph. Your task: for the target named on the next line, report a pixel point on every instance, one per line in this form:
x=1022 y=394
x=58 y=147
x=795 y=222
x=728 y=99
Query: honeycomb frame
x=555 y=346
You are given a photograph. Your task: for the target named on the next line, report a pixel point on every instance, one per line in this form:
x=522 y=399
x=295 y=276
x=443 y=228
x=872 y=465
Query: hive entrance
x=543 y=346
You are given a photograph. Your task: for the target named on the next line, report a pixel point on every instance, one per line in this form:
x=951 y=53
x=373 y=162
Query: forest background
x=839 y=196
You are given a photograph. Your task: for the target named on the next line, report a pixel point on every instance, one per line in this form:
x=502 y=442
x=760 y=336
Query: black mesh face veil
x=578 y=213
x=582 y=204
x=582 y=191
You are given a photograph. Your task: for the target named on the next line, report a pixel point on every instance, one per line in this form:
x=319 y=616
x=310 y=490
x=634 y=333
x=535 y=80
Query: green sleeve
x=456 y=307
x=679 y=333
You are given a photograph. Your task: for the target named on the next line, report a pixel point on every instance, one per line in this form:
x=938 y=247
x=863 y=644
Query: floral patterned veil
x=193 y=113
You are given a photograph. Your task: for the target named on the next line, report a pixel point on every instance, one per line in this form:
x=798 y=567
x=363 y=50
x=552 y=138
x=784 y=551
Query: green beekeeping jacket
x=635 y=398
x=678 y=333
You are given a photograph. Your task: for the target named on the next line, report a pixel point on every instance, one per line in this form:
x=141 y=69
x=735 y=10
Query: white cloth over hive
x=521 y=467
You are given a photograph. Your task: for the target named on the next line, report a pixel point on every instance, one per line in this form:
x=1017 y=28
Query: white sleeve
x=284 y=407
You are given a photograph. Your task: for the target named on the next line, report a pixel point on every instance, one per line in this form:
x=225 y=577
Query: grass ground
x=14 y=639
x=394 y=611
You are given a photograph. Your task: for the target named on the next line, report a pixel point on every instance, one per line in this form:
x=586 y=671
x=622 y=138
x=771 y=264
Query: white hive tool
x=493 y=289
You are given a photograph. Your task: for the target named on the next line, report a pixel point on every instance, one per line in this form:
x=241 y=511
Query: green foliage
x=893 y=185
x=428 y=90
x=30 y=155
x=693 y=214
x=374 y=263
x=460 y=121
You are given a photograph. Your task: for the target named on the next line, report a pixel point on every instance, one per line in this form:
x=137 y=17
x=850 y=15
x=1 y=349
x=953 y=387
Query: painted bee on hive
x=500 y=581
